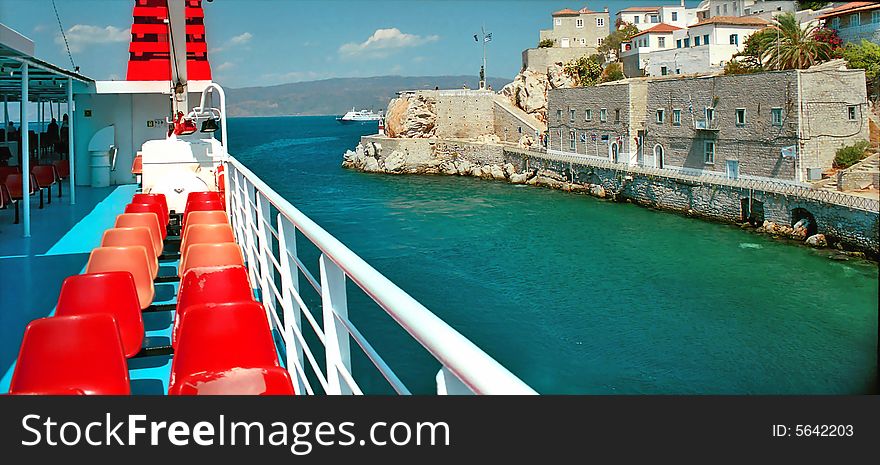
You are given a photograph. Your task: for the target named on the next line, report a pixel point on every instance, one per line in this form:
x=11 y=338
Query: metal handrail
x=476 y=370
x=775 y=187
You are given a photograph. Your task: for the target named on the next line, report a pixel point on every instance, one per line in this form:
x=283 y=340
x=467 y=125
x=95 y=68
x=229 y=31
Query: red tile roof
x=851 y=7
x=661 y=28
x=642 y=8
x=735 y=21
x=566 y=12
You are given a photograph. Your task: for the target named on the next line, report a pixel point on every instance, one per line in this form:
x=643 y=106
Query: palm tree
x=785 y=45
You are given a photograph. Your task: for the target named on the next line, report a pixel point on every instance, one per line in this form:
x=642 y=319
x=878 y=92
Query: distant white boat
x=359 y=116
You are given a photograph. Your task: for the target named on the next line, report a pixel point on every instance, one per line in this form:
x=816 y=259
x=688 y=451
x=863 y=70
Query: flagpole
x=485 y=76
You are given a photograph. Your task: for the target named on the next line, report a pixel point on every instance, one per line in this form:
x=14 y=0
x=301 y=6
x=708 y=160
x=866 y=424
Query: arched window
x=658 y=156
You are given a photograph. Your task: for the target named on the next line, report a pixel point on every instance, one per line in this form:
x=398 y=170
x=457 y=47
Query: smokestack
x=606 y=8
x=682 y=2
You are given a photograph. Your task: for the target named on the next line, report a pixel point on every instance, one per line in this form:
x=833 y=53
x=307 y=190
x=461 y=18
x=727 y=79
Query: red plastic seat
x=221 y=338
x=199 y=255
x=153 y=208
x=113 y=292
x=205 y=234
x=44 y=175
x=147 y=220
x=137 y=165
x=5 y=171
x=132 y=259
x=272 y=381
x=71 y=355
x=62 y=168
x=202 y=196
x=14 y=187
x=158 y=199
x=204 y=217
x=124 y=237
x=206 y=205
x=210 y=285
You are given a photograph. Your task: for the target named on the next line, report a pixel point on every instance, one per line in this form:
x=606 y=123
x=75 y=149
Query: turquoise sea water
x=574 y=294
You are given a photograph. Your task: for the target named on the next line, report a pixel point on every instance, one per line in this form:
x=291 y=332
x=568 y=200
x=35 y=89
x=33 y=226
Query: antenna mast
x=177 y=42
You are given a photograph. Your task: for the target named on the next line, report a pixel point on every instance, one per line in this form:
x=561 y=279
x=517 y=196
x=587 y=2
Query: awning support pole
x=70 y=132
x=25 y=154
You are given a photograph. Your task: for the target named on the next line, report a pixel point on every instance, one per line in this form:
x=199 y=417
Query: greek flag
x=476 y=39
x=488 y=37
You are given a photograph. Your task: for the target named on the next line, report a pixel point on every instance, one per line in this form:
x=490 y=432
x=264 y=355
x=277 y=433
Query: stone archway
x=802 y=214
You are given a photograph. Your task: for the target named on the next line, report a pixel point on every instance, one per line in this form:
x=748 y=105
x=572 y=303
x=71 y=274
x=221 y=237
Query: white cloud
x=384 y=42
x=225 y=66
x=80 y=36
x=241 y=39
x=237 y=41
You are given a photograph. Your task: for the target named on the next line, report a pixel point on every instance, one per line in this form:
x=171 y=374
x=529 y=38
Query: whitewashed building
x=636 y=54
x=647 y=17
x=712 y=8
x=699 y=49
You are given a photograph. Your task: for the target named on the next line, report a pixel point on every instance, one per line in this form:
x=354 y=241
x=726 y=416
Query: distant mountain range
x=337 y=96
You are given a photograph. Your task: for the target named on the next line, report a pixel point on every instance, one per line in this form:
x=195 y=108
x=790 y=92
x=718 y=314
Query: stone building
x=855 y=21
x=573 y=35
x=603 y=121
x=781 y=125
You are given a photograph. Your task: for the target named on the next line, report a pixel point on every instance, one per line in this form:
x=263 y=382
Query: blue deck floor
x=32 y=269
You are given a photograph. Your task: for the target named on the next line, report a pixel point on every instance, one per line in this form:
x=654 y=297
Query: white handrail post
x=264 y=247
x=334 y=300
x=249 y=217
x=449 y=385
x=289 y=285
x=234 y=195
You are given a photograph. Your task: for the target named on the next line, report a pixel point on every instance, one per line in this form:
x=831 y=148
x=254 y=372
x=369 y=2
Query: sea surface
x=573 y=294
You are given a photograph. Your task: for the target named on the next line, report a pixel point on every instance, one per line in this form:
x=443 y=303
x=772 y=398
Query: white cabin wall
x=130 y=114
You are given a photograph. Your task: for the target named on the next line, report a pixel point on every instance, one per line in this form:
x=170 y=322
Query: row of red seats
x=42 y=178
x=221 y=337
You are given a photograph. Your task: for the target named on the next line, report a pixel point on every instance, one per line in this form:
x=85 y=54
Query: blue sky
x=265 y=42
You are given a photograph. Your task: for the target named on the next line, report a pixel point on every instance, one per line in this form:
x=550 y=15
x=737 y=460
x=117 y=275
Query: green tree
x=865 y=56
x=612 y=72
x=811 y=4
x=585 y=71
x=850 y=155
x=786 y=45
x=546 y=43
x=611 y=44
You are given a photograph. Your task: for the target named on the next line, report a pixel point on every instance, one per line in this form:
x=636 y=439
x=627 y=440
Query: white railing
x=275 y=269
x=783 y=187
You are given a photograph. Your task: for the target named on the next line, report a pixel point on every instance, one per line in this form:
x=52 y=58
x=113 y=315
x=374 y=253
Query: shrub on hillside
x=850 y=155
x=546 y=43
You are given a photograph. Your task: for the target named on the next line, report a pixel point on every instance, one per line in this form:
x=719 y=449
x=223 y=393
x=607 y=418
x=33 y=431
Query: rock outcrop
x=369 y=157
x=528 y=91
x=817 y=240
x=411 y=116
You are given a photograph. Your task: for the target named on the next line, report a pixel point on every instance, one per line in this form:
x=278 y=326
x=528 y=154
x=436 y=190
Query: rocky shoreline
x=369 y=158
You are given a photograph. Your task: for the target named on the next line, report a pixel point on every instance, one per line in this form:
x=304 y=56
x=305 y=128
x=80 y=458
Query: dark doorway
x=752 y=211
